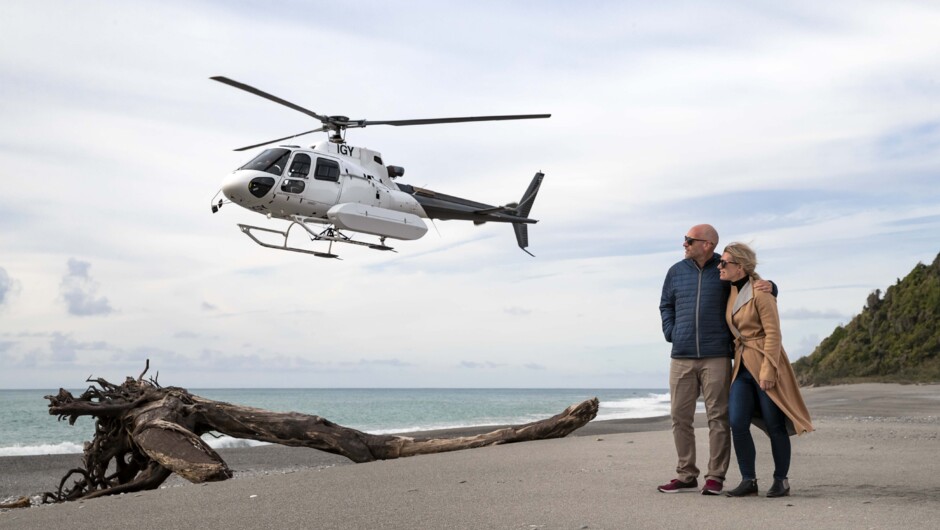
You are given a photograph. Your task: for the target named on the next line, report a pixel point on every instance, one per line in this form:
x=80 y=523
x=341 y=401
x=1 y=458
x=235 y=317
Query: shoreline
x=865 y=461
x=34 y=474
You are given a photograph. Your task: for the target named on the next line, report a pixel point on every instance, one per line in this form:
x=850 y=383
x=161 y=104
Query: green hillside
x=896 y=338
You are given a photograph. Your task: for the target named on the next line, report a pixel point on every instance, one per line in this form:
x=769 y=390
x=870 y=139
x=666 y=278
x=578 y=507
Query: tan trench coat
x=753 y=319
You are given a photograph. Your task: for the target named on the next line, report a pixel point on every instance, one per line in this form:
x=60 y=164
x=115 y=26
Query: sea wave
x=227 y=442
x=650 y=406
x=441 y=427
x=64 y=448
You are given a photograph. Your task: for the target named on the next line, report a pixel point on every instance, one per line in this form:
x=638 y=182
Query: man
x=693 y=314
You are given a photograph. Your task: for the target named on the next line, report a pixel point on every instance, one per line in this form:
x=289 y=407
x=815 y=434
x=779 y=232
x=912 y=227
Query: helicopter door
x=324 y=187
x=295 y=180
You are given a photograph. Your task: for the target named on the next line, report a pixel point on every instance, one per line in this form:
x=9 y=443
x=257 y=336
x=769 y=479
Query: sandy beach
x=870 y=464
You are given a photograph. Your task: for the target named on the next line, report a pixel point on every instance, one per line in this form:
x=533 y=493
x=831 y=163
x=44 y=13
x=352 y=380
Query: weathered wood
x=22 y=502
x=144 y=432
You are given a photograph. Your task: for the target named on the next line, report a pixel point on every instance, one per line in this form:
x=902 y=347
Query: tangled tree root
x=145 y=432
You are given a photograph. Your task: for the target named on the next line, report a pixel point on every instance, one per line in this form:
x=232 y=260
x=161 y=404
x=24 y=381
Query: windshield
x=270 y=161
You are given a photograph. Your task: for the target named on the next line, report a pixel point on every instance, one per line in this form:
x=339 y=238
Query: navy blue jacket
x=693 y=310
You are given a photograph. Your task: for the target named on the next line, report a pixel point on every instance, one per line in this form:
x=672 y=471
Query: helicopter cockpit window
x=327 y=170
x=300 y=167
x=292 y=186
x=270 y=161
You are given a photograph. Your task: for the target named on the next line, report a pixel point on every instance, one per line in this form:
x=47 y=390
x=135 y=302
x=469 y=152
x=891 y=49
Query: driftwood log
x=145 y=432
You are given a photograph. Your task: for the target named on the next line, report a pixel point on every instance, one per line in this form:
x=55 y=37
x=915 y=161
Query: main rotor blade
x=431 y=121
x=265 y=95
x=247 y=147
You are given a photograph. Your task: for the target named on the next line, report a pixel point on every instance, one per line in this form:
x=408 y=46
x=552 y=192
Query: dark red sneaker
x=677 y=486
x=712 y=487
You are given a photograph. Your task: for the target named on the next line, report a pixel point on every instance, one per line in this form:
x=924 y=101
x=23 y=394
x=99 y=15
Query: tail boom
x=445 y=207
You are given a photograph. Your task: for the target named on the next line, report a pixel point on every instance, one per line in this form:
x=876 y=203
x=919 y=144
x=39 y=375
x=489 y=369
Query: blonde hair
x=745 y=257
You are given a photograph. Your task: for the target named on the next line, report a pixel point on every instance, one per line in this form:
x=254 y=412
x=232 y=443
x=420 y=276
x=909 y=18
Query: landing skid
x=330 y=234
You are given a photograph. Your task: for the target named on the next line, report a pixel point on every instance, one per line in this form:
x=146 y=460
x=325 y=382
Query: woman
x=763 y=387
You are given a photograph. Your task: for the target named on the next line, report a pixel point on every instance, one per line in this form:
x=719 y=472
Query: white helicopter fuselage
x=350 y=188
x=338 y=184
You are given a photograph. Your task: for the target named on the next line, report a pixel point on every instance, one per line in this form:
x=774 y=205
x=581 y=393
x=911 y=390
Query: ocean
x=26 y=428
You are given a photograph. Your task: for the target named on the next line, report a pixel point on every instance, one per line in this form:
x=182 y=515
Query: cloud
x=805 y=347
x=210 y=360
x=922 y=220
x=485 y=365
x=912 y=140
x=394 y=363
x=4 y=346
x=8 y=286
x=79 y=289
x=64 y=349
x=803 y=313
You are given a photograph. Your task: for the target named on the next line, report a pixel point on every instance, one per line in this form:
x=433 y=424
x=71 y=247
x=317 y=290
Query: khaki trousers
x=710 y=377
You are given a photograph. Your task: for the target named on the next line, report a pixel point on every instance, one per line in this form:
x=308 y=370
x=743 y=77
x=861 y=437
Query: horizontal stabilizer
x=495 y=209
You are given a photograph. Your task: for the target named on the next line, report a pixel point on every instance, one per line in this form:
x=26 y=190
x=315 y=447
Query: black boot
x=781 y=488
x=746 y=488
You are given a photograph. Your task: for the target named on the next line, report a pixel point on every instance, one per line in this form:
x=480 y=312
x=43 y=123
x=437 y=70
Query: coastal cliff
x=896 y=337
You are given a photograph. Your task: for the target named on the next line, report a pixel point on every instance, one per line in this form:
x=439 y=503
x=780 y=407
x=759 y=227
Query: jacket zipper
x=698 y=304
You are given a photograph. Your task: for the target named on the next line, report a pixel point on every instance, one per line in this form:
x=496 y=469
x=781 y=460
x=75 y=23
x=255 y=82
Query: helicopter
x=349 y=189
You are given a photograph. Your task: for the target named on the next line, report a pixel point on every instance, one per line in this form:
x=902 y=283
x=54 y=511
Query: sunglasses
x=691 y=240
x=722 y=263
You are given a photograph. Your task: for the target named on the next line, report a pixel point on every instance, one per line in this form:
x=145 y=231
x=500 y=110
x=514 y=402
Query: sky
x=810 y=130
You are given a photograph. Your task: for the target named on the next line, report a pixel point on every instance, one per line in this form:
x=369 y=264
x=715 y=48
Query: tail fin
x=522 y=236
x=523 y=209
x=525 y=204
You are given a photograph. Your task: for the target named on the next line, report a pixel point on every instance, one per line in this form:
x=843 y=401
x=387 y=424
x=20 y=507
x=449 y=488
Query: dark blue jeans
x=745 y=399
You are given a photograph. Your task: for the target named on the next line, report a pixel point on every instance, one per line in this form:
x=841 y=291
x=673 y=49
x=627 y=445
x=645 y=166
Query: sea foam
x=227 y=442
x=63 y=448
x=650 y=406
